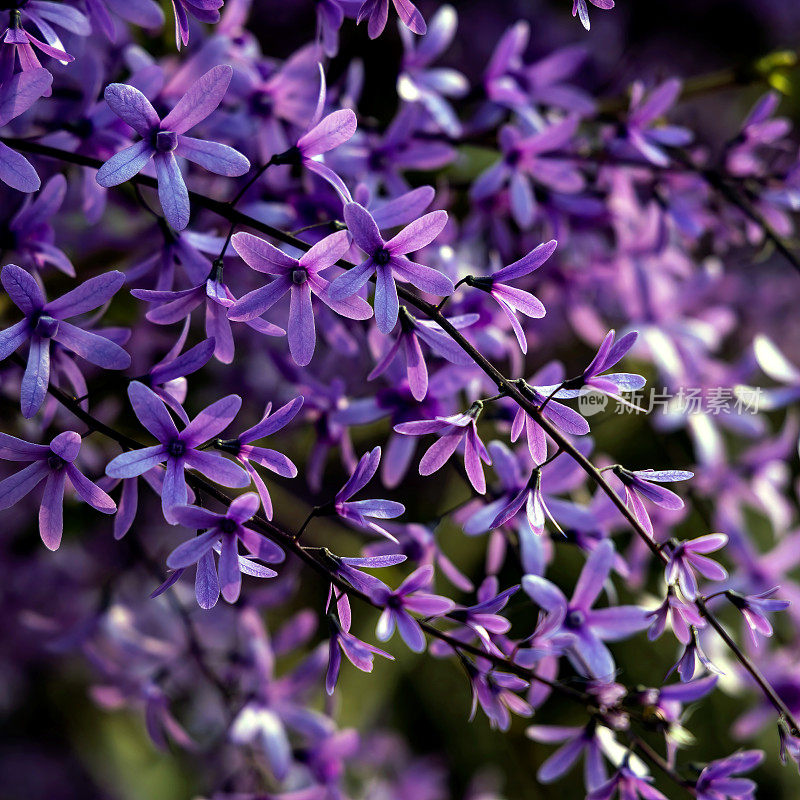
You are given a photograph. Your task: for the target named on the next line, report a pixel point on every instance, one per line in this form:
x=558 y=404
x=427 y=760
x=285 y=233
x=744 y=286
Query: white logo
x=592 y=403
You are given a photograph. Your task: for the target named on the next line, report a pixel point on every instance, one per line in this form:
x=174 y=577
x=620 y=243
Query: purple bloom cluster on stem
x=498 y=192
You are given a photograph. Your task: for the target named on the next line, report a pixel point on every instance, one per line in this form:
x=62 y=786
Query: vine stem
x=233 y=215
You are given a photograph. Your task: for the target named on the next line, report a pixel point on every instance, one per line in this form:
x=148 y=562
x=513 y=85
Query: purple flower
x=17 y=95
x=524 y=161
x=419 y=83
x=376 y=12
x=665 y=707
x=173 y=307
x=53 y=464
x=590 y=627
x=496 y=693
x=609 y=354
x=330 y=16
x=359 y=654
x=163 y=140
x=755 y=607
x=387 y=260
x=641 y=484
x=682 y=617
x=301 y=278
x=179 y=449
x=509 y=298
x=145 y=13
x=563 y=417
x=412 y=330
x=484 y=619
x=223 y=532
x=693 y=654
x=686 y=557
x=577 y=741
x=167 y=378
x=351 y=569
x=324 y=135
x=409 y=597
x=642 y=135
x=47 y=321
x=531 y=497
x=30 y=233
x=580 y=8
x=18 y=43
x=359 y=512
x=511 y=82
x=129 y=499
x=628 y=785
x=453 y=430
x=202 y=10
x=716 y=781
x=242 y=449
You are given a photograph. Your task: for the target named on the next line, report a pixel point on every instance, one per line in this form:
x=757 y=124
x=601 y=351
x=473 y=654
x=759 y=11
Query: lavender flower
x=686 y=557
x=361 y=512
x=430 y=86
x=580 y=8
x=164 y=139
x=577 y=741
x=509 y=298
x=167 y=378
x=45 y=321
x=692 y=656
x=716 y=781
x=524 y=159
x=409 y=597
x=18 y=43
x=591 y=627
x=682 y=616
x=496 y=693
x=53 y=464
x=559 y=415
x=30 y=233
x=201 y=10
x=324 y=134
x=483 y=619
x=628 y=786
x=639 y=485
x=453 y=431
x=755 y=607
x=223 y=532
x=412 y=330
x=387 y=260
x=608 y=354
x=359 y=654
x=145 y=13
x=176 y=306
x=376 y=13
x=511 y=82
x=642 y=135
x=301 y=278
x=530 y=496
x=242 y=449
x=17 y=95
x=179 y=449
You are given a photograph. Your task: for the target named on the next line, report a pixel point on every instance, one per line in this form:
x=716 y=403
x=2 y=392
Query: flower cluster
x=364 y=322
